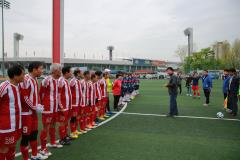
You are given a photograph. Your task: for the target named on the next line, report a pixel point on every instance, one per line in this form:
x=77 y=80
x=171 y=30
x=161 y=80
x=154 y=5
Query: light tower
x=189 y=33
x=110 y=48
x=4 y=5
x=16 y=38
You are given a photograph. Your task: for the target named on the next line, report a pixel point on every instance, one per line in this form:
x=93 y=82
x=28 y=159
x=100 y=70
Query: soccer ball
x=220 y=115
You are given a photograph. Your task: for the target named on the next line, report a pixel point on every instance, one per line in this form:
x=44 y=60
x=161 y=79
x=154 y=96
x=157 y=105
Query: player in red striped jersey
x=10 y=113
x=90 y=102
x=76 y=90
x=49 y=99
x=84 y=102
x=99 y=97
x=65 y=105
x=30 y=106
x=104 y=101
x=96 y=97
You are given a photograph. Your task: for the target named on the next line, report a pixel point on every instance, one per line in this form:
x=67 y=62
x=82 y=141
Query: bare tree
x=182 y=52
x=236 y=51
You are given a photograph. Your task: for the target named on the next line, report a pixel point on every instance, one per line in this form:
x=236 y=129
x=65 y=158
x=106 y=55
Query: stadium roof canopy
x=69 y=61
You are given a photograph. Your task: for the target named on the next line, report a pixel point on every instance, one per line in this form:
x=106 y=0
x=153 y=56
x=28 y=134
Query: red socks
x=52 y=135
x=24 y=151
x=33 y=145
x=43 y=138
x=82 y=123
x=62 y=132
x=73 y=127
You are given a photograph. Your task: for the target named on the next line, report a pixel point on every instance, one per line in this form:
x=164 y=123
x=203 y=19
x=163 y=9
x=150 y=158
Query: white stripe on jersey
x=20 y=107
x=84 y=93
x=12 y=108
x=7 y=88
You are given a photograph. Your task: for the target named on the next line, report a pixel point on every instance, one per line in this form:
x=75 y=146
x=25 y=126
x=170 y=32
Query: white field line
x=100 y=124
x=192 y=117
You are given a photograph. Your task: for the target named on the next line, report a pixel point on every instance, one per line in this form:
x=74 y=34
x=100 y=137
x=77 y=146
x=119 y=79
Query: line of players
x=80 y=101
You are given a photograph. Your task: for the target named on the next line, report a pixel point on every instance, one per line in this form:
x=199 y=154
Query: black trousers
x=180 y=88
x=207 y=95
x=108 y=105
x=173 y=105
x=233 y=103
x=116 y=101
x=225 y=95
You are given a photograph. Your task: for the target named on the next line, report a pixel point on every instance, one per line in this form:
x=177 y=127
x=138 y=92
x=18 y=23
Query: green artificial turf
x=138 y=137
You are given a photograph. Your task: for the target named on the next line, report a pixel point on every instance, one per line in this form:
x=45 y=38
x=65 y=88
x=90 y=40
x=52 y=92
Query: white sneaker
x=55 y=145
x=228 y=110
x=190 y=95
x=45 y=152
x=187 y=94
x=205 y=105
x=39 y=156
x=88 y=129
x=83 y=131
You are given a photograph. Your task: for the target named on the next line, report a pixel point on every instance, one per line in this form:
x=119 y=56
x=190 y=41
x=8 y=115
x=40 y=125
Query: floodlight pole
x=189 y=46
x=3 y=64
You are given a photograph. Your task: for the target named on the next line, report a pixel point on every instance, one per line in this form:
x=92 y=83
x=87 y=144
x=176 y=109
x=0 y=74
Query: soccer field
x=141 y=132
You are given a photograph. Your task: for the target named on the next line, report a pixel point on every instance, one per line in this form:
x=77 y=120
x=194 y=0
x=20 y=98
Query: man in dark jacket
x=207 y=86
x=225 y=85
x=233 y=90
x=173 y=92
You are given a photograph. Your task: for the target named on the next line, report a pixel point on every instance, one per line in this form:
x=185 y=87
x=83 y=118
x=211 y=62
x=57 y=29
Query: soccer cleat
x=106 y=116
x=45 y=152
x=205 y=104
x=102 y=118
x=77 y=132
x=55 y=145
x=68 y=138
x=73 y=135
x=109 y=113
x=64 y=142
x=83 y=131
x=228 y=110
x=39 y=157
x=90 y=126
x=88 y=129
x=93 y=124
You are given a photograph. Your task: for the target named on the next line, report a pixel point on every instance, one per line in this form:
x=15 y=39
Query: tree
x=204 y=59
x=236 y=52
x=181 y=52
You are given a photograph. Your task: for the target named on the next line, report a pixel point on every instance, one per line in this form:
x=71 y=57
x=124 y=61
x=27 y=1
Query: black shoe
x=68 y=138
x=64 y=142
x=97 y=120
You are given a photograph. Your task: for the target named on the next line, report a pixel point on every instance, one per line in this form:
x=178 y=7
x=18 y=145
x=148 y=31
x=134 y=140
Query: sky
x=151 y=29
